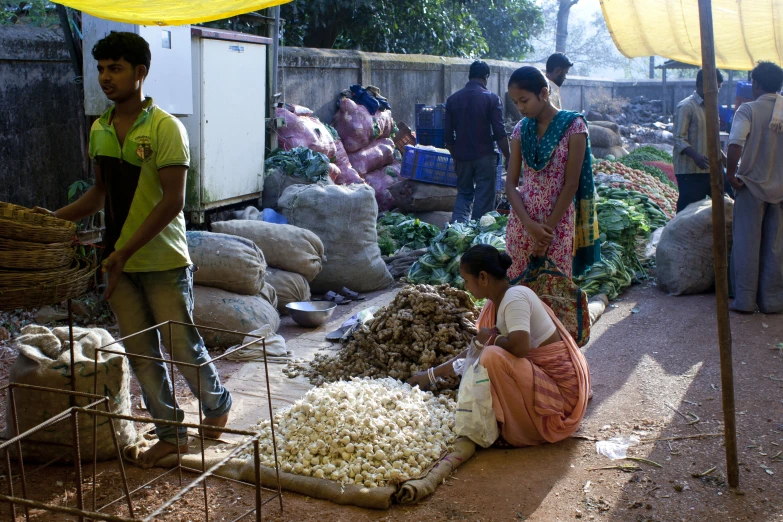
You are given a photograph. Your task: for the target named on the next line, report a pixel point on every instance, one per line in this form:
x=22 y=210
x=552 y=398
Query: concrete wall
x=42 y=136
x=314 y=77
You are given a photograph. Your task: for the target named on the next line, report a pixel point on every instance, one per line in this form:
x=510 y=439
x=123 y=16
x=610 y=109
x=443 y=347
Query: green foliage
x=76 y=189
x=38 y=13
x=465 y=28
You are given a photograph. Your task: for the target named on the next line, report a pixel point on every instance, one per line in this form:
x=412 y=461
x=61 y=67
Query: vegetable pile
x=399 y=233
x=640 y=159
x=423 y=326
x=299 y=162
x=440 y=265
x=660 y=193
x=631 y=204
x=365 y=432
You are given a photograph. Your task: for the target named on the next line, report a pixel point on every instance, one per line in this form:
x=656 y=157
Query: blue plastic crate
x=433 y=137
x=430 y=117
x=430 y=166
x=745 y=90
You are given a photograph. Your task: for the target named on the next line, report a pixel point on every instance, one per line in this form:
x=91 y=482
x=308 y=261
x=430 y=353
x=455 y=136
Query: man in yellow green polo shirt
x=140 y=155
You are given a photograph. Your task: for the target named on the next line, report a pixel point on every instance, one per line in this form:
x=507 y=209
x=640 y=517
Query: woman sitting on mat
x=539 y=378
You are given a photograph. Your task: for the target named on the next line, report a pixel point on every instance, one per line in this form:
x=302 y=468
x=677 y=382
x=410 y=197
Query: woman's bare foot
x=218 y=422
x=150 y=457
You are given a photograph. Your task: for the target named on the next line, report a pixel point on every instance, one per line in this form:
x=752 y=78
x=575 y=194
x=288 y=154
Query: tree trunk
x=562 y=24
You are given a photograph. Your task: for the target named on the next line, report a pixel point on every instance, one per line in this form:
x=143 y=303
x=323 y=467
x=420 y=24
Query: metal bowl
x=311 y=313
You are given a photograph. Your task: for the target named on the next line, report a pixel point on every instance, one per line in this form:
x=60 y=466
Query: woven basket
x=22 y=278
x=23 y=224
x=71 y=286
x=26 y=255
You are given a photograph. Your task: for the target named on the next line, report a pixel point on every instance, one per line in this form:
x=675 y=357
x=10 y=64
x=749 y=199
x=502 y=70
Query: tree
x=589 y=45
x=508 y=26
x=467 y=28
x=563 y=12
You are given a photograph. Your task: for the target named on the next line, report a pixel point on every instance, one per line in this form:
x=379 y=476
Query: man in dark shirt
x=474 y=122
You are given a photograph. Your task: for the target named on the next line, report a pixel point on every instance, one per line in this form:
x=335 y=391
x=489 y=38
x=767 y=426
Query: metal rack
x=95 y=513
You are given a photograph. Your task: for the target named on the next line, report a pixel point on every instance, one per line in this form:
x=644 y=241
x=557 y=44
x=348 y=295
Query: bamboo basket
x=23 y=278
x=22 y=224
x=26 y=255
x=70 y=286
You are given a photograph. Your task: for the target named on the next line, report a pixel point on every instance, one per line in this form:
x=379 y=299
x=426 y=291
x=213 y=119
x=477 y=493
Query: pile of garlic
x=365 y=432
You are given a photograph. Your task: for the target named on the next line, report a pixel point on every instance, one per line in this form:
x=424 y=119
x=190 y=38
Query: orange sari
x=541 y=397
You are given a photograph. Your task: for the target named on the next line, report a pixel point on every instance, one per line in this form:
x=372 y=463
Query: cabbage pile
x=440 y=265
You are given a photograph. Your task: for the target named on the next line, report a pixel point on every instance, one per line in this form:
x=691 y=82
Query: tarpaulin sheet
x=746 y=31
x=169 y=12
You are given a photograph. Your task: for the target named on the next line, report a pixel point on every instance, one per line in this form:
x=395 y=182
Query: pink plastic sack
x=380 y=181
x=378 y=154
x=385 y=123
x=348 y=176
x=304 y=131
x=354 y=124
x=334 y=172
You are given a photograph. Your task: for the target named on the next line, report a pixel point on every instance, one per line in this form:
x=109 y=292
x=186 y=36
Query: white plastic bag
x=475 y=416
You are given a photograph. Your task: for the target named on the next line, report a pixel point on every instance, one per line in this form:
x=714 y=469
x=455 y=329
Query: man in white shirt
x=557 y=67
x=755 y=170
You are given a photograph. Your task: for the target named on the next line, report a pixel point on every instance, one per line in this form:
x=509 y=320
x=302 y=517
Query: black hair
x=528 y=79
x=478 y=69
x=130 y=46
x=700 y=77
x=768 y=76
x=486 y=258
x=558 y=60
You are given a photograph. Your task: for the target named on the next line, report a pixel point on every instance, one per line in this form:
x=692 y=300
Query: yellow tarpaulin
x=169 y=12
x=746 y=31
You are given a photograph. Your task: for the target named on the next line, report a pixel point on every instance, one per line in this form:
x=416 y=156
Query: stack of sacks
x=304 y=130
x=229 y=289
x=296 y=256
x=366 y=139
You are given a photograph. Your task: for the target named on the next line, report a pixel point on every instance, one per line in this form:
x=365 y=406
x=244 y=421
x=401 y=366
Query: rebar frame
x=252 y=438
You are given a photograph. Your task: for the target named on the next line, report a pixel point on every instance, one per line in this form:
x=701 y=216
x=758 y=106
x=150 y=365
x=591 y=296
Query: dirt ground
x=650 y=354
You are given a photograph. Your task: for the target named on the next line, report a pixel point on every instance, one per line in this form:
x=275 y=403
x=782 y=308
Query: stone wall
x=314 y=78
x=43 y=146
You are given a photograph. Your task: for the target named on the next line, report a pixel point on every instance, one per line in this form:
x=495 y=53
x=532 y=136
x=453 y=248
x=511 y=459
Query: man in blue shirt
x=474 y=122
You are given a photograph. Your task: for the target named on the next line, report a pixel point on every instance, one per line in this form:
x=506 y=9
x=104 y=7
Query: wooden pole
x=719 y=239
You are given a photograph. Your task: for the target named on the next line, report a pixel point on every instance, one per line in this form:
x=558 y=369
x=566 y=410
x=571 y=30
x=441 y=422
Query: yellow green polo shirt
x=130 y=177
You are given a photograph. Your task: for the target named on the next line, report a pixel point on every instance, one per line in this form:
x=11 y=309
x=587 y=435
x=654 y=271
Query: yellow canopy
x=168 y=12
x=746 y=31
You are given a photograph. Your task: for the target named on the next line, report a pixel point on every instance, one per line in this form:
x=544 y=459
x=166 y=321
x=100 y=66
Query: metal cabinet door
x=233 y=109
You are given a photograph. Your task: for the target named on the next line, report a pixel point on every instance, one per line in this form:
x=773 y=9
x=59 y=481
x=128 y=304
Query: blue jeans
x=142 y=300
x=476 y=186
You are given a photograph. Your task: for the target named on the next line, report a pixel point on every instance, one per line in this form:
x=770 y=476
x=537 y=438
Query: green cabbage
x=429 y=262
x=458 y=236
x=453 y=266
x=458 y=282
x=488 y=238
x=441 y=252
x=440 y=276
x=418 y=274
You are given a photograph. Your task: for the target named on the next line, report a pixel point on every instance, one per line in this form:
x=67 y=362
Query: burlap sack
x=344 y=217
x=602 y=137
x=231 y=263
x=241 y=313
x=290 y=287
x=287 y=247
x=684 y=257
x=415 y=196
x=44 y=360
